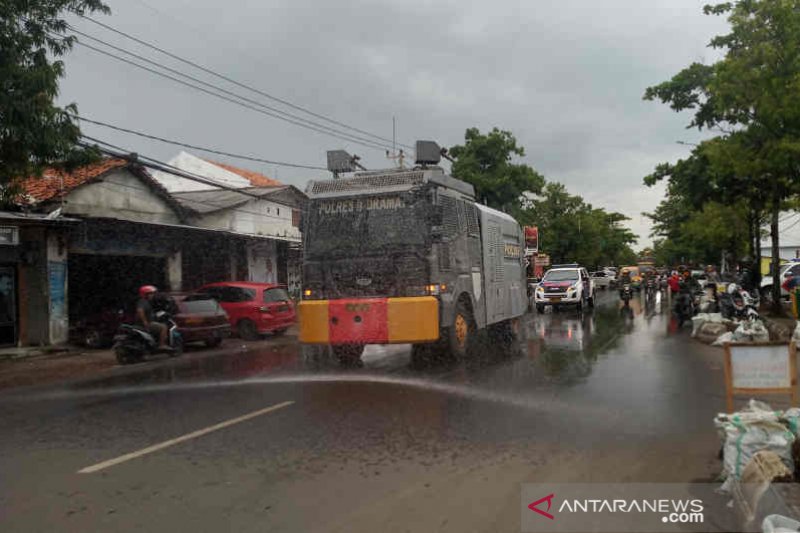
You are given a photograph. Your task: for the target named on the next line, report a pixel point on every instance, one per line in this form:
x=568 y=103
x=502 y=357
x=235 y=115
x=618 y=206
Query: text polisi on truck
x=406 y=256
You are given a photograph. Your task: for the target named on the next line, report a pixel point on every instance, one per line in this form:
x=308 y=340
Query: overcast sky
x=565 y=76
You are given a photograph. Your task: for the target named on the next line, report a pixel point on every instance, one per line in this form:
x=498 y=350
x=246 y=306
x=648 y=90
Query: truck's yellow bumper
x=369 y=320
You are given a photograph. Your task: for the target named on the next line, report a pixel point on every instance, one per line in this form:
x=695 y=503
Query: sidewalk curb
x=148 y=366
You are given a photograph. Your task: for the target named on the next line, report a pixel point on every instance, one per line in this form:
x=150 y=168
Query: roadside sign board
x=542 y=260
x=532 y=239
x=760 y=368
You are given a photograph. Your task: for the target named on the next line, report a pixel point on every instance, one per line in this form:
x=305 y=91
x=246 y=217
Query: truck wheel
x=349 y=354
x=462 y=332
x=540 y=308
x=505 y=335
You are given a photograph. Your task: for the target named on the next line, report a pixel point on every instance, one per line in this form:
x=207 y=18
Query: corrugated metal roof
x=216 y=199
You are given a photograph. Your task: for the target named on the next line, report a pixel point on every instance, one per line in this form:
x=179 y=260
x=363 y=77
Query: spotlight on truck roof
x=428 y=153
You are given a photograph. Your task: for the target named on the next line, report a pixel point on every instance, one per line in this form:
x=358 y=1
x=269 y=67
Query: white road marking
x=183 y=438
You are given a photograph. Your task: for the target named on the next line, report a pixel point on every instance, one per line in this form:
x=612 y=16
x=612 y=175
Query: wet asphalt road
x=388 y=447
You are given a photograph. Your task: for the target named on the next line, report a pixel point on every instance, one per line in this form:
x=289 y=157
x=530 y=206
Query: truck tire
x=461 y=333
x=505 y=335
x=540 y=308
x=349 y=355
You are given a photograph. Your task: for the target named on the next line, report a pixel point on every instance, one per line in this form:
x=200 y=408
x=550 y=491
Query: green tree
x=34 y=132
x=486 y=161
x=752 y=95
x=573 y=231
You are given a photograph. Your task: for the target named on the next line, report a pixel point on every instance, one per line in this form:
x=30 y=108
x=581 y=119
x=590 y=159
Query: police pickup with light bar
x=565 y=285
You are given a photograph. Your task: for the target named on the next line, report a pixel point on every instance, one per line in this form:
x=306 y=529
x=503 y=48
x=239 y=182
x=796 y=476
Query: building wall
x=57 y=287
x=257 y=217
x=123 y=196
x=262 y=262
x=42 y=287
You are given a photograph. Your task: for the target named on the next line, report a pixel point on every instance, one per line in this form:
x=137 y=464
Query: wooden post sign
x=760 y=368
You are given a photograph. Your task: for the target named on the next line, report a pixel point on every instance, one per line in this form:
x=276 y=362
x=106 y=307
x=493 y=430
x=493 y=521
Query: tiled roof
x=258 y=180
x=55 y=183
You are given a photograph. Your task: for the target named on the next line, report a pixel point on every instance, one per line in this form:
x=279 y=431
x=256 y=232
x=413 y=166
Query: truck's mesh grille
x=371 y=181
x=449 y=217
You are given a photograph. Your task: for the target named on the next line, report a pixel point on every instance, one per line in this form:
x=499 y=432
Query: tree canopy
x=571 y=230
x=486 y=161
x=34 y=132
x=752 y=97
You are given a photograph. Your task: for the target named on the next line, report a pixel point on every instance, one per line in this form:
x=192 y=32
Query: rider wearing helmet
x=688 y=283
x=144 y=315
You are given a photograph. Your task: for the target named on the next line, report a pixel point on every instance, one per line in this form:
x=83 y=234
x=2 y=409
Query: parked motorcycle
x=133 y=342
x=737 y=303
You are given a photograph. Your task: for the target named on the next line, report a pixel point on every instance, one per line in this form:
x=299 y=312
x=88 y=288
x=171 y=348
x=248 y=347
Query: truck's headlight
x=540 y=290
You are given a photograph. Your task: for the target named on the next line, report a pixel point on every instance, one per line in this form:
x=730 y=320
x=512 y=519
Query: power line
x=342 y=136
x=265 y=215
x=222 y=89
x=166 y=167
x=237 y=83
x=169 y=169
x=192 y=146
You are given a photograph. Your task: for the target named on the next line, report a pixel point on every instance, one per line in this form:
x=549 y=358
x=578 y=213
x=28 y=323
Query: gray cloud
x=565 y=76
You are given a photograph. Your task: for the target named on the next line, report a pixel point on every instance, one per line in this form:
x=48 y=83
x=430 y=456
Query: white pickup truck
x=565 y=285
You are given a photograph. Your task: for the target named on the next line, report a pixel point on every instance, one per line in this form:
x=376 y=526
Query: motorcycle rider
x=145 y=315
x=674 y=282
x=688 y=283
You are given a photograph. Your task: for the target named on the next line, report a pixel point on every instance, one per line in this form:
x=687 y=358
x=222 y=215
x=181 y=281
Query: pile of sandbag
x=754 y=429
x=709 y=327
x=745 y=331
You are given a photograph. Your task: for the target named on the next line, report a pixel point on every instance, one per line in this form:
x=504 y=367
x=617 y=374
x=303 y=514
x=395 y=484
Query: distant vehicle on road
x=635 y=274
x=254 y=309
x=602 y=280
x=565 y=285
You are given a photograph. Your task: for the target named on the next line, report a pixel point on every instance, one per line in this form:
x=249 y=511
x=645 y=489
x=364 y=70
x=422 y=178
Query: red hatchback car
x=254 y=308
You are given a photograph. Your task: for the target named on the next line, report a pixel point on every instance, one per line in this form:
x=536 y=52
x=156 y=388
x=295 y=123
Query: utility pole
x=394 y=154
